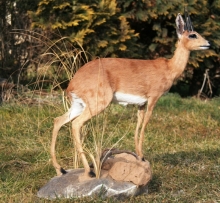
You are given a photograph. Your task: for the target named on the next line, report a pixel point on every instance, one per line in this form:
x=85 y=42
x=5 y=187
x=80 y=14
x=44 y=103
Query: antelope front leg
x=140 y=116
x=150 y=107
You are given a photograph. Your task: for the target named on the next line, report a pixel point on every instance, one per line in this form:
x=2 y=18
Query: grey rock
x=71 y=186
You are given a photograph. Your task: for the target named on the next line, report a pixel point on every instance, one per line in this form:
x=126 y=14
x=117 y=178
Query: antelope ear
x=179 y=25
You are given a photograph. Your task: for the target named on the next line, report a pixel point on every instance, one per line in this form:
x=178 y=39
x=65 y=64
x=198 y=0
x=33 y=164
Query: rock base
x=70 y=186
x=121 y=176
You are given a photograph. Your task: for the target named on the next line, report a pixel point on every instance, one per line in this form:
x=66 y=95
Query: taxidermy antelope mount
x=125 y=81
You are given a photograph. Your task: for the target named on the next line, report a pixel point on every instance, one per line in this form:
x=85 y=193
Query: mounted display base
x=121 y=176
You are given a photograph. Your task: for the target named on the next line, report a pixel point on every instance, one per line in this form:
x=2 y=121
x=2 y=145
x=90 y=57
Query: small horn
x=188 y=25
x=186 y=19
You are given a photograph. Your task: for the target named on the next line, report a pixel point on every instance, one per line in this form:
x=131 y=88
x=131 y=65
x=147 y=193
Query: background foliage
x=107 y=28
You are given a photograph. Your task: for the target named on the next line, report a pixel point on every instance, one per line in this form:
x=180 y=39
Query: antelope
x=125 y=81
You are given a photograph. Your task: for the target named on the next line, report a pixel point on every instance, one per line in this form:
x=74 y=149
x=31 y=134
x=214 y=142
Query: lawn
x=182 y=144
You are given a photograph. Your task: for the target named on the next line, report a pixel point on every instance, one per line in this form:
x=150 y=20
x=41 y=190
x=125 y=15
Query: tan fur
x=97 y=81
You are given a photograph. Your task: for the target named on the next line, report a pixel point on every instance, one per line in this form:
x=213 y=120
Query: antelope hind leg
x=75 y=110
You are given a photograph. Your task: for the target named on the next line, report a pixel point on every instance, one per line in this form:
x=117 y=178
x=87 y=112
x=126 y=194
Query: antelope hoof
x=141 y=158
x=92 y=174
x=63 y=171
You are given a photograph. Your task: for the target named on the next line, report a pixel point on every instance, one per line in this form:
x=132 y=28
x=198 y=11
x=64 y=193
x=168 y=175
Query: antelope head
x=190 y=39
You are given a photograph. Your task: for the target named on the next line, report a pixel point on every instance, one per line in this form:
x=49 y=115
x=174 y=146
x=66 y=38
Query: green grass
x=182 y=143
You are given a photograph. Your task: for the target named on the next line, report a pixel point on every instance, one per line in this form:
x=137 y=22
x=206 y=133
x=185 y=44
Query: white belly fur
x=125 y=99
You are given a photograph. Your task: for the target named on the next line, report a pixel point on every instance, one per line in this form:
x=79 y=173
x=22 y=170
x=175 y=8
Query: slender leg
x=140 y=116
x=76 y=127
x=90 y=110
x=150 y=107
x=58 y=123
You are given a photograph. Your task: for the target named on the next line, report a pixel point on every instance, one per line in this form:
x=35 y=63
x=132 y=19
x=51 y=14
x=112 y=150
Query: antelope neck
x=179 y=60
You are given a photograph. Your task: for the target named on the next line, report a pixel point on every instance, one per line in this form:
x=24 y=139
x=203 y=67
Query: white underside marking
x=77 y=106
x=125 y=99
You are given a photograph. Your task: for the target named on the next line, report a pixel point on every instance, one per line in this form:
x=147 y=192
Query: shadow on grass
x=184 y=157
x=155 y=184
x=197 y=165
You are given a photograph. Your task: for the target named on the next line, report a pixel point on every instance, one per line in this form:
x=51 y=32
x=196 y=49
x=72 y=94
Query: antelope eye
x=193 y=36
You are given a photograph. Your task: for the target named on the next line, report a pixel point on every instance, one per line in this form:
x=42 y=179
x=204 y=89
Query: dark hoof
x=63 y=171
x=92 y=174
x=91 y=166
